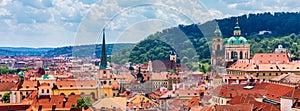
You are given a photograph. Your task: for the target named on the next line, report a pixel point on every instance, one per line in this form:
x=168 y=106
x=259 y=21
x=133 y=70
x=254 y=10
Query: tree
x=6 y=97
x=84 y=102
x=81 y=103
x=88 y=101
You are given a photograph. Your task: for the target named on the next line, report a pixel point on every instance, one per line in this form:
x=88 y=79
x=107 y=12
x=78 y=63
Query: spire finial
x=103 y=64
x=237 y=21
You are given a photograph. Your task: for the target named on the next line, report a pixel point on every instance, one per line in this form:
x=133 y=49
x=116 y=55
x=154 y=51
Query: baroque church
x=235 y=48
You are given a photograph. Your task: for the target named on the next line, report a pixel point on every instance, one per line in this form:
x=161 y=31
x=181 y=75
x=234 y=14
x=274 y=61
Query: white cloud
x=232 y=5
x=20 y=19
x=5 y=2
x=4 y=12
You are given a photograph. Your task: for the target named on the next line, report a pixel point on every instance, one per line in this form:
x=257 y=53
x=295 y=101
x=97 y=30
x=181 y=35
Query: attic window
x=91 y=85
x=71 y=85
x=297 y=67
x=27 y=86
x=81 y=85
x=271 y=67
x=283 y=67
x=60 y=85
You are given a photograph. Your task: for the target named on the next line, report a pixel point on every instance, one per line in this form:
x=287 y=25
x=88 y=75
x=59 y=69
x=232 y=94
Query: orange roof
x=6 y=86
x=273 y=93
x=267 y=58
x=239 y=107
x=46 y=103
x=29 y=85
x=251 y=65
x=192 y=102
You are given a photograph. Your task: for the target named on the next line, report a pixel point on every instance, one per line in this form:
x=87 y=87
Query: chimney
x=65 y=101
x=53 y=107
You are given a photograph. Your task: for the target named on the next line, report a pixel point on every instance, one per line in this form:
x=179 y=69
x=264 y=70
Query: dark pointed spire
x=103 y=64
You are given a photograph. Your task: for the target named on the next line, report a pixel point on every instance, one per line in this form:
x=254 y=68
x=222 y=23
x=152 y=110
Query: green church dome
x=47 y=76
x=231 y=40
x=242 y=40
x=237 y=40
x=21 y=75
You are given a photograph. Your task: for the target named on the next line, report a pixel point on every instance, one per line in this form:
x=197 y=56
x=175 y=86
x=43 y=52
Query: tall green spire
x=103 y=64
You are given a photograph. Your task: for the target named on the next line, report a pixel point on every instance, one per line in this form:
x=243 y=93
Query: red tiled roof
x=57 y=100
x=267 y=58
x=6 y=86
x=239 y=107
x=192 y=102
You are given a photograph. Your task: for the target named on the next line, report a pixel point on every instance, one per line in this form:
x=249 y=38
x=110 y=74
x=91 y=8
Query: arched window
x=218 y=47
x=234 y=55
x=241 y=55
x=93 y=95
x=72 y=93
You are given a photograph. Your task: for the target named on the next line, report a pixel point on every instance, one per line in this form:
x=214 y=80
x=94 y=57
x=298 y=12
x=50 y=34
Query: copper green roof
x=47 y=76
x=237 y=40
x=218 y=32
x=21 y=74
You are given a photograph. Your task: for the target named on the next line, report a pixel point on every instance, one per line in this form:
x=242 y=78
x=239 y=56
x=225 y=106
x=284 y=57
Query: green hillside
x=192 y=47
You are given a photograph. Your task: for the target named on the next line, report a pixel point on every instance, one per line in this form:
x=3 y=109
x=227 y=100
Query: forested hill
x=280 y=23
x=78 y=51
x=285 y=28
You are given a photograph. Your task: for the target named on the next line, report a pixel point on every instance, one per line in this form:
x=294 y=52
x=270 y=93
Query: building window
x=48 y=91
x=276 y=74
x=104 y=72
x=43 y=91
x=264 y=74
x=270 y=74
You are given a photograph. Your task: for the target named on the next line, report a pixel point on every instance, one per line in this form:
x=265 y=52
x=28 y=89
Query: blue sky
x=55 y=23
